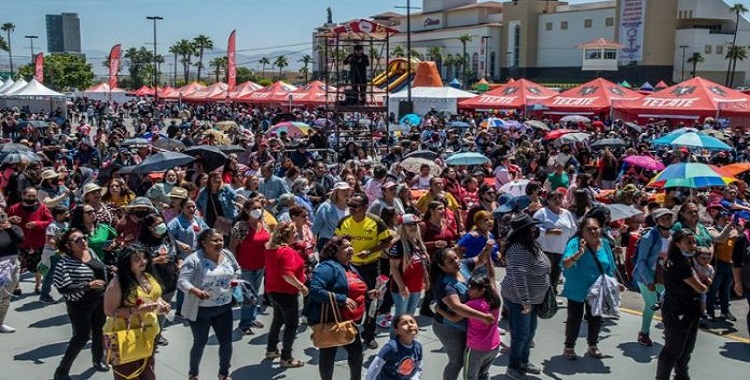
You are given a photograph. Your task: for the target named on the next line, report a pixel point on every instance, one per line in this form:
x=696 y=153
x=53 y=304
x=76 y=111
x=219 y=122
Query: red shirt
x=413 y=274
x=280 y=262
x=432 y=233
x=357 y=292
x=34 y=237
x=251 y=250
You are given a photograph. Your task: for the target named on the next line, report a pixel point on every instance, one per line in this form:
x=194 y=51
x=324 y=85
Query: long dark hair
x=76 y=220
x=481 y=281
x=524 y=238
x=62 y=242
x=436 y=272
x=674 y=253
x=332 y=246
x=431 y=208
x=145 y=236
x=125 y=275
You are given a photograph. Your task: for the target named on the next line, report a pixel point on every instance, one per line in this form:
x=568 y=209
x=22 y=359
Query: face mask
x=160 y=229
x=170 y=182
x=256 y=213
x=686 y=254
x=29 y=202
x=141 y=213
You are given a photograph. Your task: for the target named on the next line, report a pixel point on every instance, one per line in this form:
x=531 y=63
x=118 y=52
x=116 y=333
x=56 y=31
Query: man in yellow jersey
x=369 y=237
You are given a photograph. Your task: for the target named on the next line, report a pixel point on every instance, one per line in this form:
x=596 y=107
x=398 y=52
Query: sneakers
x=515 y=374
x=570 y=354
x=531 y=368
x=162 y=341
x=303 y=320
x=257 y=324
x=703 y=322
x=728 y=316
x=370 y=344
x=46 y=299
x=5 y=329
x=594 y=352
x=501 y=330
x=384 y=320
x=644 y=340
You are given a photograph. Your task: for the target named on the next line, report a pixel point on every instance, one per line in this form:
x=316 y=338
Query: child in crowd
x=482 y=339
x=400 y=358
x=50 y=257
x=704 y=270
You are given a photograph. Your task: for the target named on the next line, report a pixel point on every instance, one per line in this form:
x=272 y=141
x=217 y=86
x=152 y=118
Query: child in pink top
x=482 y=339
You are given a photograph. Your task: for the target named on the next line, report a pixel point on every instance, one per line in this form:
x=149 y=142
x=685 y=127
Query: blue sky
x=262 y=25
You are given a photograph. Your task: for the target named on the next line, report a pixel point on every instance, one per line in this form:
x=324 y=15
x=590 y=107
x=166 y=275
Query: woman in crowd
x=11 y=237
x=437 y=233
x=652 y=252
x=741 y=267
x=216 y=203
x=52 y=192
x=164 y=260
x=92 y=196
x=158 y=192
x=581 y=203
x=285 y=278
x=523 y=289
x=117 y=194
x=469 y=194
x=101 y=236
x=583 y=257
x=404 y=194
x=688 y=218
x=186 y=227
x=681 y=311
x=231 y=167
x=557 y=226
x=608 y=170
x=335 y=277
x=205 y=278
x=330 y=212
x=80 y=277
x=176 y=196
x=474 y=242
x=121 y=300
x=451 y=182
x=304 y=240
x=250 y=234
x=409 y=267
x=450 y=276
x=422 y=180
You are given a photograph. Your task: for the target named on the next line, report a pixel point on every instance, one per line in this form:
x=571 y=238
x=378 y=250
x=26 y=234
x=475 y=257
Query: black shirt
x=677 y=292
x=10 y=241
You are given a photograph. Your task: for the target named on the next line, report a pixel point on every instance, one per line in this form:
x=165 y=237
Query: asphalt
x=35 y=349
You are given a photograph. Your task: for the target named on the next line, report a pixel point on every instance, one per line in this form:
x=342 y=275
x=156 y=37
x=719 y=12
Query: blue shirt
x=474 y=245
x=583 y=274
x=448 y=285
x=400 y=362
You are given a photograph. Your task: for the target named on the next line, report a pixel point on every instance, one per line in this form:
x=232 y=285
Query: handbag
x=604 y=294
x=223 y=224
x=332 y=334
x=548 y=308
x=125 y=343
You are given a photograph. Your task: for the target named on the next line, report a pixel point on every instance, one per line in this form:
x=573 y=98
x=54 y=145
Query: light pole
x=408 y=50
x=486 y=40
x=156 y=71
x=31 y=41
x=682 y=74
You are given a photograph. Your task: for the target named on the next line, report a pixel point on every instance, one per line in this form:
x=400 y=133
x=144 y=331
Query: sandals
x=292 y=363
x=594 y=352
x=270 y=355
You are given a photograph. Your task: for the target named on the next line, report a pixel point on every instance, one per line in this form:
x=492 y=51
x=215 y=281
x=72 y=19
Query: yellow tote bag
x=127 y=340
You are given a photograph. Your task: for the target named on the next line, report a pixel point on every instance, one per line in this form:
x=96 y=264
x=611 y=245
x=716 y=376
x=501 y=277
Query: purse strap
x=334 y=310
x=596 y=260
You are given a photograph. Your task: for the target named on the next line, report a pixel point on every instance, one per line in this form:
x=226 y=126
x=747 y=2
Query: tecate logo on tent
x=661 y=102
x=574 y=101
x=497 y=99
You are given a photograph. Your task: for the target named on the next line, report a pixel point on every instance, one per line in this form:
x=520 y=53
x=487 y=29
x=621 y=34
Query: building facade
x=64 y=33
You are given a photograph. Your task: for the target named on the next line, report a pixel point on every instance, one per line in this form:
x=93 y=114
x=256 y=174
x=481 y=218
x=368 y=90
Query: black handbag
x=548 y=308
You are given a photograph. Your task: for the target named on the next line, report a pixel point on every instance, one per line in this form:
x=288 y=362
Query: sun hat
x=178 y=192
x=49 y=174
x=141 y=202
x=90 y=187
x=521 y=223
x=341 y=186
x=659 y=212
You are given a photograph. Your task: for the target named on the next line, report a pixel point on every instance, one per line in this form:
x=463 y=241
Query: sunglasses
x=80 y=240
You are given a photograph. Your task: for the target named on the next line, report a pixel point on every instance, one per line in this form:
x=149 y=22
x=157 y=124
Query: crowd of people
x=321 y=226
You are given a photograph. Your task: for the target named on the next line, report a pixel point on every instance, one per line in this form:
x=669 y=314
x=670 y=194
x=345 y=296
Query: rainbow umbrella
x=692 y=175
x=492 y=122
x=292 y=128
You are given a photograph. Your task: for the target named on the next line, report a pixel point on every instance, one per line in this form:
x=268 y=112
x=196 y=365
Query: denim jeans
x=723 y=284
x=523 y=329
x=454 y=343
x=649 y=299
x=220 y=318
x=403 y=305
x=248 y=313
x=285 y=313
x=47 y=282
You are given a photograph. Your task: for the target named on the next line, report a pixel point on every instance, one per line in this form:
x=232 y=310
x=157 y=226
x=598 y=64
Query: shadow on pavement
x=263 y=370
x=48 y=351
x=640 y=353
x=58 y=320
x=30 y=306
x=562 y=366
x=87 y=374
x=736 y=350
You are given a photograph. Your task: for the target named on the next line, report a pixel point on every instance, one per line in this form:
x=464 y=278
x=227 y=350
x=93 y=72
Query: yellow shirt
x=425 y=200
x=150 y=320
x=270 y=220
x=366 y=235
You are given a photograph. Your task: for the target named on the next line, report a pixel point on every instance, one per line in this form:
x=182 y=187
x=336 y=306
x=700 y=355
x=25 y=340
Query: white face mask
x=170 y=181
x=256 y=213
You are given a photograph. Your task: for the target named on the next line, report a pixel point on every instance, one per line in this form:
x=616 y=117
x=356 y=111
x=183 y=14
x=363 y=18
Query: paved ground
x=43 y=331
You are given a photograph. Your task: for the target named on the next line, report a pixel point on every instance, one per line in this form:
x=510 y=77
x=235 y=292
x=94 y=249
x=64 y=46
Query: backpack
x=637 y=245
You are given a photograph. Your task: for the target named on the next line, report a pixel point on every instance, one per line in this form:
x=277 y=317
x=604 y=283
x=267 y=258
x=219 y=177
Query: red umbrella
x=557 y=133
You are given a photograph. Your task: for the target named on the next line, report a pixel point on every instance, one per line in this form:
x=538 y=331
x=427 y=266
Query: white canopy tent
x=19 y=84
x=33 y=95
x=34 y=88
x=425 y=98
x=6 y=85
x=102 y=92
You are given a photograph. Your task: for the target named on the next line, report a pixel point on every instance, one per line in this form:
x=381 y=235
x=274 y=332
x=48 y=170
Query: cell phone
x=3 y=218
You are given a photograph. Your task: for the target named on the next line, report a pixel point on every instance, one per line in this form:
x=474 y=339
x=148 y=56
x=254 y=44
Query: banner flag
x=39 y=68
x=114 y=66
x=231 y=62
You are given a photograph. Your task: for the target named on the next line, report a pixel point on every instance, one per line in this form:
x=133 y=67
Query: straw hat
x=178 y=192
x=49 y=174
x=89 y=187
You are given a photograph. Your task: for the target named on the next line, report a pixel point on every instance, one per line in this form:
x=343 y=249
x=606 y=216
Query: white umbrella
x=573 y=137
x=620 y=211
x=575 y=119
x=515 y=188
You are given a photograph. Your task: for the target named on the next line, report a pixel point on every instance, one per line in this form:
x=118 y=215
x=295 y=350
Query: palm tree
x=449 y=62
x=186 y=50
x=398 y=52
x=202 y=43
x=734 y=54
x=263 y=62
x=175 y=49
x=280 y=62
x=218 y=64
x=436 y=55
x=416 y=54
x=9 y=28
x=738 y=10
x=695 y=59
x=464 y=38
x=306 y=61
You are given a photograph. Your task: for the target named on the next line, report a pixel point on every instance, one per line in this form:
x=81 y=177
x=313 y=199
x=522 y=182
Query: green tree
x=305 y=70
x=9 y=28
x=138 y=62
x=264 y=82
x=695 y=59
x=436 y=55
x=263 y=62
x=3 y=44
x=219 y=64
x=63 y=71
x=398 y=52
x=186 y=50
x=281 y=62
x=201 y=44
x=175 y=51
x=734 y=54
x=738 y=9
x=416 y=54
x=244 y=74
x=465 y=38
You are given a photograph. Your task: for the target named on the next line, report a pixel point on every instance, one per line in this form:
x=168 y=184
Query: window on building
x=517 y=46
x=593 y=54
x=609 y=21
x=610 y=53
x=493 y=64
x=587 y=23
x=475 y=64
x=679 y=14
x=719 y=49
x=690 y=13
x=707 y=49
x=548 y=26
x=563 y=25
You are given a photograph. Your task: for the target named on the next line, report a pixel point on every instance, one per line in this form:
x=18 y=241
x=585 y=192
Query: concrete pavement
x=35 y=349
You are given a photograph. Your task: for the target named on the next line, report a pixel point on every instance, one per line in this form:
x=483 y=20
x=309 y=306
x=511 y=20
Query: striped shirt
x=526 y=275
x=72 y=277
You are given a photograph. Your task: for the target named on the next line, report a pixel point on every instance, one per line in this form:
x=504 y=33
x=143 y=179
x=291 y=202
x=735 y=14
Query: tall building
x=64 y=33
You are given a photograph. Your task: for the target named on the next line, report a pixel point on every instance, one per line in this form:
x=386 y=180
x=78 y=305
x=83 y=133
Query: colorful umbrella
x=692 y=140
x=733 y=170
x=492 y=122
x=411 y=119
x=557 y=133
x=691 y=175
x=645 y=162
x=293 y=129
x=508 y=124
x=467 y=158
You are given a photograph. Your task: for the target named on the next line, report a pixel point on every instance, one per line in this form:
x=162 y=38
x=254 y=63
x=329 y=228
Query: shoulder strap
x=596 y=260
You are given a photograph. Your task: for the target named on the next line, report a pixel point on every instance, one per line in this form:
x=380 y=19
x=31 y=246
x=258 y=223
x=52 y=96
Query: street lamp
x=156 y=71
x=682 y=74
x=31 y=41
x=408 y=52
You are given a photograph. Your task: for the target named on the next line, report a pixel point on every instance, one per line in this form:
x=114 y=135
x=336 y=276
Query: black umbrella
x=634 y=126
x=13 y=147
x=33 y=123
x=426 y=154
x=162 y=161
x=229 y=149
x=211 y=156
x=135 y=142
x=169 y=144
x=612 y=143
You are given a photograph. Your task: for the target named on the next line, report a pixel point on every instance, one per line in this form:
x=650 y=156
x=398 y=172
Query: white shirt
x=564 y=221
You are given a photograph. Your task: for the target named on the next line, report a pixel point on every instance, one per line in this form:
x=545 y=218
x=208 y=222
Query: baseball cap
x=341 y=186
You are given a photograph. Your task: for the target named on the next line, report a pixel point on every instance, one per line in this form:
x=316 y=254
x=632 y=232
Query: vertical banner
x=231 y=62
x=114 y=66
x=482 y=55
x=632 y=18
x=39 y=68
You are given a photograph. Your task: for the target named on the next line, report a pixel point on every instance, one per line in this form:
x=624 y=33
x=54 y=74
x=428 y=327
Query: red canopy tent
x=166 y=92
x=276 y=93
x=661 y=85
x=217 y=89
x=692 y=99
x=241 y=90
x=314 y=94
x=144 y=91
x=592 y=97
x=518 y=94
x=183 y=91
x=103 y=88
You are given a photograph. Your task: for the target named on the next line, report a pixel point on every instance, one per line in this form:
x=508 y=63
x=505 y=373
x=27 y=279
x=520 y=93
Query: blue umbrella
x=692 y=140
x=458 y=124
x=507 y=124
x=468 y=158
x=411 y=119
x=162 y=161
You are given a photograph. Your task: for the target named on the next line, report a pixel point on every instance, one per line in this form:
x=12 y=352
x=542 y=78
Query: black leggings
x=573 y=324
x=554 y=276
x=385 y=269
x=680 y=333
x=86 y=319
x=354 y=357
